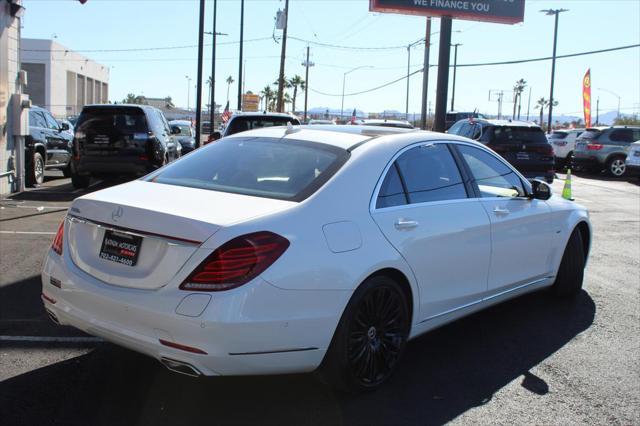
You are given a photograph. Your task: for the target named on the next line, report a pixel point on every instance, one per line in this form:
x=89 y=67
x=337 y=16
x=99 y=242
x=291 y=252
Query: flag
x=226 y=114
x=586 y=97
x=353 y=116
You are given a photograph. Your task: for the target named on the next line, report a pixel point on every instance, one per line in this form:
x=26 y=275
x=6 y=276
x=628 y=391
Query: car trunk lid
x=140 y=234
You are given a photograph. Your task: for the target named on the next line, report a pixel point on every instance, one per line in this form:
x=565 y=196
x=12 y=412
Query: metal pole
x=199 y=82
x=529 y=103
x=240 y=60
x=425 y=75
x=553 y=70
x=406 y=113
x=306 y=86
x=443 y=74
x=597 y=110
x=188 y=91
x=212 y=113
x=283 y=53
x=344 y=77
x=455 y=66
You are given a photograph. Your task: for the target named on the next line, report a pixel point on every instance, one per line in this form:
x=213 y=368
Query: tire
x=66 y=172
x=370 y=337
x=35 y=173
x=616 y=167
x=80 y=182
x=571 y=272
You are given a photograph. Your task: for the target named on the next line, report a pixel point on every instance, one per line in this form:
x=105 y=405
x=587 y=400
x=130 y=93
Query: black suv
x=48 y=146
x=121 y=140
x=453 y=117
x=522 y=144
x=241 y=122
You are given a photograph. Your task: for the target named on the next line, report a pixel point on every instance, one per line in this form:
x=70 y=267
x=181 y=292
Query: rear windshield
x=242 y=124
x=263 y=167
x=590 y=134
x=107 y=120
x=519 y=135
x=558 y=135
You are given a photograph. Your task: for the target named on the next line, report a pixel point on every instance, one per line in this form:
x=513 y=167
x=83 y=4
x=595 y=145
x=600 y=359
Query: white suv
x=633 y=159
x=564 y=142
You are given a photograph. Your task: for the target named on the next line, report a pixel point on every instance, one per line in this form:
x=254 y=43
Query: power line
x=519 y=61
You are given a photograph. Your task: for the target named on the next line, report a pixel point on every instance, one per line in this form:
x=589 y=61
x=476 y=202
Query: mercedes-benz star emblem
x=117 y=213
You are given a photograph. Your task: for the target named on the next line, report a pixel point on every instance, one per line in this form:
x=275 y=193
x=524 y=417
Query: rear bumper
x=254 y=329
x=112 y=166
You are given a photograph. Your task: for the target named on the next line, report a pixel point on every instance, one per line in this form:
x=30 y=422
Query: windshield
x=558 y=135
x=242 y=124
x=519 y=135
x=112 y=120
x=263 y=167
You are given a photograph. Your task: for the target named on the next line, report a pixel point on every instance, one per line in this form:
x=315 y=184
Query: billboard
x=250 y=102
x=500 y=11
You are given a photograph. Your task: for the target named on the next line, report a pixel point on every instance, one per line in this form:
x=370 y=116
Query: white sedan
x=296 y=249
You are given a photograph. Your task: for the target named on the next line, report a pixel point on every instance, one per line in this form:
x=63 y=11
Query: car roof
x=504 y=123
x=346 y=136
x=108 y=106
x=262 y=114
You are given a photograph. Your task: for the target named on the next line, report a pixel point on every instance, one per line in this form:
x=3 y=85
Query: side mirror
x=541 y=190
x=175 y=130
x=64 y=126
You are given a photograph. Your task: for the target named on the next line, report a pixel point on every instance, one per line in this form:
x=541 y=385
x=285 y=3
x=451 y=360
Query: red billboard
x=500 y=11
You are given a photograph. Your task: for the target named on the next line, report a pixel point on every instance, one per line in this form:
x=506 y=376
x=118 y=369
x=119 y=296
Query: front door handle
x=501 y=212
x=405 y=224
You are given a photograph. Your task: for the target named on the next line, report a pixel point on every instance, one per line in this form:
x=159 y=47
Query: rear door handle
x=501 y=212
x=405 y=224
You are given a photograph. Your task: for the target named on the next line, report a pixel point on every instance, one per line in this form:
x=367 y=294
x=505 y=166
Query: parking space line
x=28 y=232
x=51 y=339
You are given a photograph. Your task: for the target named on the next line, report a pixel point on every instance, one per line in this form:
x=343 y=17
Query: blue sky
x=117 y=24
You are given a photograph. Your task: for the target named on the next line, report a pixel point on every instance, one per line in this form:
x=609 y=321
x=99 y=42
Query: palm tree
x=267 y=94
x=296 y=82
x=517 y=99
x=286 y=99
x=134 y=99
x=229 y=81
x=541 y=104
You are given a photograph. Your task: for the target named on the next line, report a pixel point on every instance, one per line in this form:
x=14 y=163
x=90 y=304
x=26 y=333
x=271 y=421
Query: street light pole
x=455 y=66
x=614 y=94
x=408 y=75
x=555 y=13
x=283 y=54
x=188 y=90
x=425 y=75
x=240 y=60
x=199 y=81
x=344 y=77
x=306 y=64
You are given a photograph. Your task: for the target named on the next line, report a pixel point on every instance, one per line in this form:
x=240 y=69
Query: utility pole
x=306 y=64
x=406 y=113
x=425 y=75
x=597 y=110
x=188 y=91
x=212 y=113
x=444 y=54
x=199 y=81
x=556 y=13
x=283 y=54
x=529 y=103
x=240 y=59
x=455 y=66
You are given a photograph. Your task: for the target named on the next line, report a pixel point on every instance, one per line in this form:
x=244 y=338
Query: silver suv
x=605 y=148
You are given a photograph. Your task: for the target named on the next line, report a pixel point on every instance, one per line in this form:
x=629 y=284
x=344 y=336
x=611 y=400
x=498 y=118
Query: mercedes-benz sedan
x=297 y=249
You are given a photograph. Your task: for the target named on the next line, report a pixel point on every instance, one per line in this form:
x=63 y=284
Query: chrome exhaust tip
x=180 y=367
x=53 y=317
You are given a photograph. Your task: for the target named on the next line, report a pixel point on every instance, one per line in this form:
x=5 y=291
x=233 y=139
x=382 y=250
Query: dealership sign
x=501 y=11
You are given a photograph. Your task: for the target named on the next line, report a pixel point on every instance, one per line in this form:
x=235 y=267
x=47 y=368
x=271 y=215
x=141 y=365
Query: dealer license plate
x=522 y=155
x=121 y=248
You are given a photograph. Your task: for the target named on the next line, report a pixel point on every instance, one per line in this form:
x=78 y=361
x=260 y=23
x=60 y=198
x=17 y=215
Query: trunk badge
x=117 y=213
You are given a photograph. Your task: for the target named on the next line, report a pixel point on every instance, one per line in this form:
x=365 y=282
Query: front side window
x=430 y=174
x=51 y=122
x=262 y=167
x=185 y=130
x=37 y=120
x=492 y=177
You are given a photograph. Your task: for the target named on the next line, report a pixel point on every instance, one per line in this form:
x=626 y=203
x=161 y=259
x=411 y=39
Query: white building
x=61 y=80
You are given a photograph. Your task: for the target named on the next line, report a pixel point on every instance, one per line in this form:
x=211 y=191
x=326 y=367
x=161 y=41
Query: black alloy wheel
x=370 y=338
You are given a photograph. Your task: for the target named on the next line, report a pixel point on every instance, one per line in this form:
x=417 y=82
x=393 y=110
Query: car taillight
x=594 y=147
x=57 y=241
x=236 y=262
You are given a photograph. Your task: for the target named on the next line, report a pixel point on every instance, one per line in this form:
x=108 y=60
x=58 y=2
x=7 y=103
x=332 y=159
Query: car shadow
x=63 y=192
x=442 y=375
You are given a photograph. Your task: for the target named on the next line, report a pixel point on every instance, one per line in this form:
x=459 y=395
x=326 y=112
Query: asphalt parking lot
x=534 y=360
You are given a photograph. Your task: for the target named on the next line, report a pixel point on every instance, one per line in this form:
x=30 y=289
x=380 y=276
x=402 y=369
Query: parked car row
x=605 y=149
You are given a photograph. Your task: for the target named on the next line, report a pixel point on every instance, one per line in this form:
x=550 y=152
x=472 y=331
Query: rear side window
x=242 y=124
x=430 y=174
x=492 y=177
x=518 y=135
x=263 y=167
x=391 y=192
x=558 y=135
x=110 y=120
